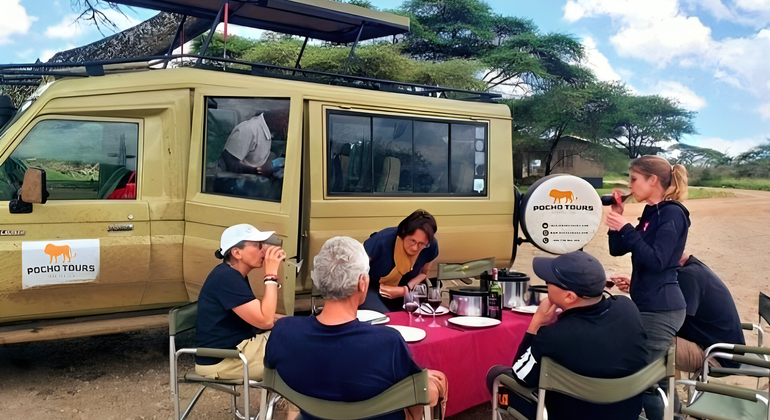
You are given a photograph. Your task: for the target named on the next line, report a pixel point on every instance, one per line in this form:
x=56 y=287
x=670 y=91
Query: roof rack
x=32 y=74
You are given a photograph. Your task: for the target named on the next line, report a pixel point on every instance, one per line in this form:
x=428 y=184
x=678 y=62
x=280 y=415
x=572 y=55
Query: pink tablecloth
x=466 y=356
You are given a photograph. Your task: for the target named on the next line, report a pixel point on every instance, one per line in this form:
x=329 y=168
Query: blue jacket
x=656 y=245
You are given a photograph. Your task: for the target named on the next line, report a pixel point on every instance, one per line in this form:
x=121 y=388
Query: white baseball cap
x=243 y=232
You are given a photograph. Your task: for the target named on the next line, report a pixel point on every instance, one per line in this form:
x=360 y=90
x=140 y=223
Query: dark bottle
x=495 y=299
x=609 y=199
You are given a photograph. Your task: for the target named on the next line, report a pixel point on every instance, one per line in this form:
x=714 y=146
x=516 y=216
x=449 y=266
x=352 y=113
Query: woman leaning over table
x=400 y=258
x=655 y=245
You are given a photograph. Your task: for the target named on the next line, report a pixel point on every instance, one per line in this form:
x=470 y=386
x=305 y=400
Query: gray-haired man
x=333 y=356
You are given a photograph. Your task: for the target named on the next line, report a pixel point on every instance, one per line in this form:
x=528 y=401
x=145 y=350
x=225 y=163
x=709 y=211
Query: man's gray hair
x=338 y=266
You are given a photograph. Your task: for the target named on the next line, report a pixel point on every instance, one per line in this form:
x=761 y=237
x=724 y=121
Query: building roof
x=319 y=19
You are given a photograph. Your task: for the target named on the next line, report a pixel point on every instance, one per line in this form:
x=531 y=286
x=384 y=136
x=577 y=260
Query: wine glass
x=421 y=292
x=434 y=300
x=411 y=304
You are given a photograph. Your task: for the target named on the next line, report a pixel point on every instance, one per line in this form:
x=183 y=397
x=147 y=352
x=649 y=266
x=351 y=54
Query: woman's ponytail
x=677 y=190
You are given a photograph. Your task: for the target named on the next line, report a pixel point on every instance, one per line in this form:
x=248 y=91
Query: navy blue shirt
x=217 y=325
x=711 y=313
x=379 y=247
x=656 y=244
x=348 y=362
x=605 y=340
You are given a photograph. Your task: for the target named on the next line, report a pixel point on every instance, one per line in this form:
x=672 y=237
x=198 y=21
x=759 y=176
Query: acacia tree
x=695 y=156
x=512 y=49
x=563 y=110
x=754 y=163
x=639 y=124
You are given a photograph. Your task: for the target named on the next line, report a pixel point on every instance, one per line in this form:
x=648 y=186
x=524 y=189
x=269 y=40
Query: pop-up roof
x=319 y=19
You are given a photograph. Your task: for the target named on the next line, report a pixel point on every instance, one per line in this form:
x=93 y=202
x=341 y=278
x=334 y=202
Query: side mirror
x=33 y=190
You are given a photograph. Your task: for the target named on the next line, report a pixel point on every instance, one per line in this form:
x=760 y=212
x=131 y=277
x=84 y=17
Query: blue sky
x=711 y=55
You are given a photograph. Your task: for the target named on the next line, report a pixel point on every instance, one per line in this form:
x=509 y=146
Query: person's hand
x=545 y=315
x=619 y=206
x=391 y=292
x=615 y=221
x=623 y=283
x=273 y=257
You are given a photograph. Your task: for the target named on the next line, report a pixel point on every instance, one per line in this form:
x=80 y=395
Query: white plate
x=410 y=334
x=427 y=310
x=366 y=315
x=525 y=309
x=474 y=321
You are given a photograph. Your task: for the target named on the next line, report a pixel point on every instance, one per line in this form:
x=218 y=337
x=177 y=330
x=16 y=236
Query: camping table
x=466 y=356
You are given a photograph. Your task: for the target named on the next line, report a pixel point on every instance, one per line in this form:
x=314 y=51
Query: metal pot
x=468 y=302
x=515 y=287
x=536 y=294
x=516 y=290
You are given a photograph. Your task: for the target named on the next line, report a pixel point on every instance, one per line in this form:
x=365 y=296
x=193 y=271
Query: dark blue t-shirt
x=711 y=313
x=656 y=244
x=349 y=362
x=380 y=248
x=217 y=325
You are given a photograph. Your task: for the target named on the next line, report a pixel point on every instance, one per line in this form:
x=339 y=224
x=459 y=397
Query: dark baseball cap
x=576 y=271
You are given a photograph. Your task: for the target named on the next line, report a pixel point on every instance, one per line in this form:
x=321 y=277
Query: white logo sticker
x=59 y=262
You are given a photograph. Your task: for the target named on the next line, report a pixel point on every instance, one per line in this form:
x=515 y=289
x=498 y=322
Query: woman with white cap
x=229 y=315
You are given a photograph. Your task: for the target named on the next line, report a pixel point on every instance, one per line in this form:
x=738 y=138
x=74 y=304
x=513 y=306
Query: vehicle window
x=245 y=147
x=83 y=160
x=405 y=156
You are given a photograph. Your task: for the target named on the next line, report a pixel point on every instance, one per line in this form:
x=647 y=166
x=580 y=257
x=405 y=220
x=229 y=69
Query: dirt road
x=125 y=376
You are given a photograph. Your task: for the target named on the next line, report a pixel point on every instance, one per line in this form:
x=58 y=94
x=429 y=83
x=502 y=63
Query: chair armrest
x=748 y=326
x=728 y=390
x=748 y=360
x=751 y=349
x=218 y=353
x=516 y=387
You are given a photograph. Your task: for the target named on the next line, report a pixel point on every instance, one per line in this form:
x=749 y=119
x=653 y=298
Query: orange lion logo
x=55 y=251
x=558 y=195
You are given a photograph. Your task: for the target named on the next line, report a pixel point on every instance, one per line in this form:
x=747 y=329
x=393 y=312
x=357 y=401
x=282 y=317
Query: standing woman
x=400 y=258
x=655 y=246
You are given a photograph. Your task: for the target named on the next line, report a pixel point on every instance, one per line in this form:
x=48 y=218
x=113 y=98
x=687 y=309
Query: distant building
x=570 y=157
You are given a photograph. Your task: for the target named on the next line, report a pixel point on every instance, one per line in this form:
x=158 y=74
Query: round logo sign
x=560 y=213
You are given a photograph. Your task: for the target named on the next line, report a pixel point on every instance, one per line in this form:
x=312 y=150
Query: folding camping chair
x=411 y=391
x=729 y=402
x=556 y=378
x=182 y=319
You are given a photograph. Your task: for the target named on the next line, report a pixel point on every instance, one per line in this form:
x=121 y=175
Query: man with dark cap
x=594 y=336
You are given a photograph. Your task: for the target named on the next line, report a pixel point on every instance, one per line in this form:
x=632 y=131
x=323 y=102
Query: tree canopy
x=511 y=49
x=640 y=124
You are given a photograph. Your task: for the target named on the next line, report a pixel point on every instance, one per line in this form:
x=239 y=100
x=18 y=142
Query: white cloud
x=46 y=55
x=68 y=28
x=677 y=91
x=714 y=7
x=764 y=110
x=658 y=32
x=13 y=20
x=597 y=62
x=761 y=6
x=729 y=147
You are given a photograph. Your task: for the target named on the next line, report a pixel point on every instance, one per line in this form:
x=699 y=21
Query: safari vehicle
x=129 y=154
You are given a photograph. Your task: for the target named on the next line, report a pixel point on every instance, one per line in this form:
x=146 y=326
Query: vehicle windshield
x=24 y=107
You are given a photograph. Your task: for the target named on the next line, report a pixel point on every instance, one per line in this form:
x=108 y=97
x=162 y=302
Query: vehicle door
x=87 y=249
x=264 y=129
